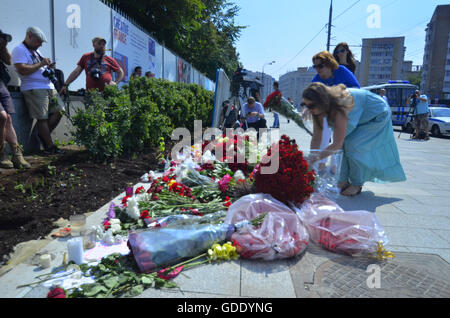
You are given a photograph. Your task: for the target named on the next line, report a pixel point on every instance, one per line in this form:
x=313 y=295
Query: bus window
x=394 y=97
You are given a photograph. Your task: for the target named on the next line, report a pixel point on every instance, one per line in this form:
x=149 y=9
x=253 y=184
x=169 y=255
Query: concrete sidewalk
x=415 y=215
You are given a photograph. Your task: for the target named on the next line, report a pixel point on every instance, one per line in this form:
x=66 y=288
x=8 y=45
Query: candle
x=129 y=190
x=45 y=260
x=75 y=249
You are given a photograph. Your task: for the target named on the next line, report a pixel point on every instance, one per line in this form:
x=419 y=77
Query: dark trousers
x=257 y=125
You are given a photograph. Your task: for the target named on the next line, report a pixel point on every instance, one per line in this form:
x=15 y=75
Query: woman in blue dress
x=330 y=73
x=362 y=128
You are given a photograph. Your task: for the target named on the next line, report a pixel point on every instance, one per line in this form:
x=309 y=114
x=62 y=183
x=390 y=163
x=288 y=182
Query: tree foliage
x=202 y=32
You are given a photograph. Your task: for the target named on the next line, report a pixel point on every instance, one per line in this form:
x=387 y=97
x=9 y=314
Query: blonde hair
x=326 y=58
x=329 y=100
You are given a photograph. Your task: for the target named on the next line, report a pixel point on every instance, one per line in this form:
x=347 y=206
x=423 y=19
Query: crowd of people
x=42 y=89
x=360 y=120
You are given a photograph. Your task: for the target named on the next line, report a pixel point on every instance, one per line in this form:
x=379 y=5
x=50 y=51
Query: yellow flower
x=225 y=252
x=172 y=182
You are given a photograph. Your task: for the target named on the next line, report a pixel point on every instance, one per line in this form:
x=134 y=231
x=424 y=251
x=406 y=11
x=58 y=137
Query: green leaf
x=136 y=290
x=111 y=282
x=147 y=280
x=93 y=289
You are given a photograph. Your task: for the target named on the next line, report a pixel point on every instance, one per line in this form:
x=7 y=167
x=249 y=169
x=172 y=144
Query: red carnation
x=145 y=215
x=140 y=190
x=56 y=293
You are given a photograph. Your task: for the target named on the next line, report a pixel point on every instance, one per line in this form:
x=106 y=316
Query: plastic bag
x=327 y=173
x=281 y=235
x=160 y=247
x=352 y=232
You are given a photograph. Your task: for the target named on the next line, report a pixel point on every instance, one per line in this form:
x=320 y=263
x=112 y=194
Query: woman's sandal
x=344 y=186
x=357 y=190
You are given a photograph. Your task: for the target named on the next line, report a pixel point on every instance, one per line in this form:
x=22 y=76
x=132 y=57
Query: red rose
x=140 y=190
x=56 y=293
x=145 y=215
x=107 y=225
x=124 y=200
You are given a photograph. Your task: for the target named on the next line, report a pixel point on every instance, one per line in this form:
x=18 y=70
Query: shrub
x=125 y=121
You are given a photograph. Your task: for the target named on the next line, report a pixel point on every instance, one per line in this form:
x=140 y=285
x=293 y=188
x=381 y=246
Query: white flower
x=115 y=228
x=239 y=175
x=114 y=221
x=132 y=208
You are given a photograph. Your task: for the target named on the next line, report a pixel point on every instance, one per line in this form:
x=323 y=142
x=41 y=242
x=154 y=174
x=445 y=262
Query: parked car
x=438 y=122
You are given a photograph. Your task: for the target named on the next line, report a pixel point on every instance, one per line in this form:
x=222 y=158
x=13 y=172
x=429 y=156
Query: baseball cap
x=37 y=32
x=8 y=37
x=96 y=39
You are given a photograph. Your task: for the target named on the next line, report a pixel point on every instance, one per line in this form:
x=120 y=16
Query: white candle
x=46 y=260
x=75 y=249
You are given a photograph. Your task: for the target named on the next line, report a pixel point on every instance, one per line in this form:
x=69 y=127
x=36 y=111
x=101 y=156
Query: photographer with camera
x=7 y=132
x=420 y=105
x=98 y=68
x=37 y=76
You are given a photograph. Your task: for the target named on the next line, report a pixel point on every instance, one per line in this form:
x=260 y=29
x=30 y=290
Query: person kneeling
x=253 y=114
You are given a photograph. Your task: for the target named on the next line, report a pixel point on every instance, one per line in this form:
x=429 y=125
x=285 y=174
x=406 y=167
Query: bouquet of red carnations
x=293 y=182
x=347 y=232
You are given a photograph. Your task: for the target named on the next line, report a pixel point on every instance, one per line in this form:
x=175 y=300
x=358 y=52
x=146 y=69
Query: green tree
x=202 y=32
x=415 y=79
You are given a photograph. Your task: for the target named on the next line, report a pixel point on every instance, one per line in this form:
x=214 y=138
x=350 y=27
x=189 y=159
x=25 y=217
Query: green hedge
x=125 y=121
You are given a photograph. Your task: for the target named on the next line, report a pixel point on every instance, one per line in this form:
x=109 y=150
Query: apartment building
x=436 y=60
x=382 y=59
x=292 y=84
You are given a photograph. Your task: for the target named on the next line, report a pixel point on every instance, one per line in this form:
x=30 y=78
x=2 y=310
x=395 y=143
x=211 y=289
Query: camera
x=51 y=75
x=95 y=73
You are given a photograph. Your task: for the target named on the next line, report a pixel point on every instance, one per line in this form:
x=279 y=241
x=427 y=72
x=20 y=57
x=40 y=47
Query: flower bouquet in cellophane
x=283 y=107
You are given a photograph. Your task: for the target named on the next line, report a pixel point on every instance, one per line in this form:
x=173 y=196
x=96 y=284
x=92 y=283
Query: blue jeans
x=276 y=121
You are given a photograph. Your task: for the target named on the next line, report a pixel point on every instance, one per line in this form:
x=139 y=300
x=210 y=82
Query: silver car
x=438 y=122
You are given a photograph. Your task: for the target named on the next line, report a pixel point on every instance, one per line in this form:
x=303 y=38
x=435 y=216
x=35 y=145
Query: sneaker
x=53 y=151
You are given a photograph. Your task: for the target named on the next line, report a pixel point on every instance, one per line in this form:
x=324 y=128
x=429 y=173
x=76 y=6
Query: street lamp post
x=262 y=80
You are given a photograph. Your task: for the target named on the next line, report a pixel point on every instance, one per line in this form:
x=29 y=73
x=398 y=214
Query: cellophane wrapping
x=160 y=247
x=280 y=236
x=347 y=232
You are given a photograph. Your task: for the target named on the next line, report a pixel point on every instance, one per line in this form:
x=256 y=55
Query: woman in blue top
x=330 y=73
x=362 y=129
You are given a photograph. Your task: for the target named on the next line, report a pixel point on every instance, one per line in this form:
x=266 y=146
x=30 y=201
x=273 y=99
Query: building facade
x=382 y=59
x=293 y=84
x=436 y=60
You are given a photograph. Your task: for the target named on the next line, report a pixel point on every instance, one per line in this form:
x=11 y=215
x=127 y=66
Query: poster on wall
x=133 y=47
x=184 y=71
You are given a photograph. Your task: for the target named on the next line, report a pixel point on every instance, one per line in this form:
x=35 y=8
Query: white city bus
x=397 y=92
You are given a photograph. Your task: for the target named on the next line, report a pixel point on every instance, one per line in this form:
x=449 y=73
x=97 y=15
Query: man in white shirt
x=383 y=94
x=43 y=101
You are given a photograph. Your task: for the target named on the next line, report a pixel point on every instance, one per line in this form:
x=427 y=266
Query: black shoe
x=53 y=151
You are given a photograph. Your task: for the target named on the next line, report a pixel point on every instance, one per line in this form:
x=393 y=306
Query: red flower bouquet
x=292 y=182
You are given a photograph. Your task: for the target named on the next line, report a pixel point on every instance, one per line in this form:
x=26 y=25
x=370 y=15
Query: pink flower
x=223 y=183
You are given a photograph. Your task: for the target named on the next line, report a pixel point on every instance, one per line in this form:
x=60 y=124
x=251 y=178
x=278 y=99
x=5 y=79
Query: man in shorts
x=43 y=101
x=421 y=118
x=7 y=132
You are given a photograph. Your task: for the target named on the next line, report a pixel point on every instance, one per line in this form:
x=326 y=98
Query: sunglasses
x=341 y=51
x=319 y=66
x=311 y=106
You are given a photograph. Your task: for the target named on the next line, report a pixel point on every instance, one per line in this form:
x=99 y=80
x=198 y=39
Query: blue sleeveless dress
x=370 y=152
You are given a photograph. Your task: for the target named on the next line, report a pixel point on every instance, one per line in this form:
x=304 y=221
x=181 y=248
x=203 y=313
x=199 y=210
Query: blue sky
x=281 y=30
